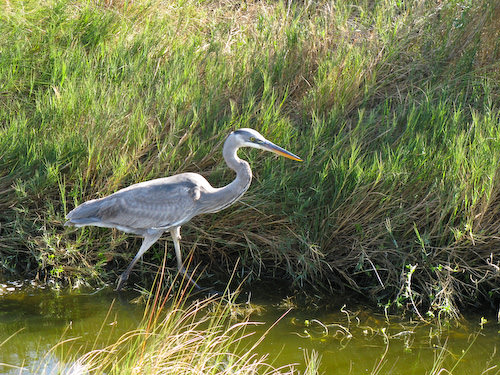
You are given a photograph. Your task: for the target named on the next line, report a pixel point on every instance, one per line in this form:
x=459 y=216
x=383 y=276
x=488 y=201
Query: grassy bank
x=393 y=105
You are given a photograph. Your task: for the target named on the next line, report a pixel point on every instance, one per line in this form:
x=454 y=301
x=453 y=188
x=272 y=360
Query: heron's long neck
x=229 y=194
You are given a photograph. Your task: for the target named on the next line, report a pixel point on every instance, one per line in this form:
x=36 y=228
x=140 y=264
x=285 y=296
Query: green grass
x=177 y=335
x=393 y=106
x=202 y=337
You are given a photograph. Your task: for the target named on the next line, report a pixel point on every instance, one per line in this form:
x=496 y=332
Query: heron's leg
x=149 y=239
x=176 y=236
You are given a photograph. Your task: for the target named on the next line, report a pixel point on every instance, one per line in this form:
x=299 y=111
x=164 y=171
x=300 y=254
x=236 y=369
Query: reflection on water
x=34 y=320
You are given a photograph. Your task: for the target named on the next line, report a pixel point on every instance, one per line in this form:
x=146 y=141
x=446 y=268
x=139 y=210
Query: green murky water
x=349 y=341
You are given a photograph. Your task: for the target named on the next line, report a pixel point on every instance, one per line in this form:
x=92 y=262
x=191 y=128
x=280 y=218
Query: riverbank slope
x=392 y=105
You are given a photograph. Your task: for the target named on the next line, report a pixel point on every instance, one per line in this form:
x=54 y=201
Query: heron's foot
x=121 y=281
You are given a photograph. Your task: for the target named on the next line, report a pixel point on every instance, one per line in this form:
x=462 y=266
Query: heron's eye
x=252 y=139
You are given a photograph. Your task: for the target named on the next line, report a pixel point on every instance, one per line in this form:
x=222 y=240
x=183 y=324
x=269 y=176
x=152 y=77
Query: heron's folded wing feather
x=154 y=206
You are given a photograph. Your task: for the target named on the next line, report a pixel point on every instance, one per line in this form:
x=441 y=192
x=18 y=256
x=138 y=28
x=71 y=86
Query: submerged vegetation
x=392 y=104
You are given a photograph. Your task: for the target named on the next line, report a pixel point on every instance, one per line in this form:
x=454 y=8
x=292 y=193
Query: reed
x=180 y=337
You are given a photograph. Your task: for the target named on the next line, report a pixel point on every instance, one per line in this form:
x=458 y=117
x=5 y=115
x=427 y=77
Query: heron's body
x=152 y=207
x=156 y=204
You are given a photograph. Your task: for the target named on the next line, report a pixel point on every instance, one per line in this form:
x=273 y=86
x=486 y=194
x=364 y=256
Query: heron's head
x=246 y=137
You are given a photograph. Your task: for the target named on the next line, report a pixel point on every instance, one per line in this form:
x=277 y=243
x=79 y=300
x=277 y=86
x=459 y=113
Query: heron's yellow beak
x=280 y=151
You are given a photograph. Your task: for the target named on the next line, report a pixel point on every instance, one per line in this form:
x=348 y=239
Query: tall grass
x=181 y=337
x=393 y=105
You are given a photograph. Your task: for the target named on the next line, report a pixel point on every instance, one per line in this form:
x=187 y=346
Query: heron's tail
x=85 y=214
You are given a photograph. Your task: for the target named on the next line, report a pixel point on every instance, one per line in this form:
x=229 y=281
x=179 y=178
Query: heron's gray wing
x=150 y=205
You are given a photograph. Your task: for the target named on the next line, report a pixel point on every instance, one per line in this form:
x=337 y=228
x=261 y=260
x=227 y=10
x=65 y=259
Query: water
x=34 y=320
x=368 y=344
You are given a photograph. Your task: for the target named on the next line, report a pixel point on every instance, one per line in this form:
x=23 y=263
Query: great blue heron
x=152 y=207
